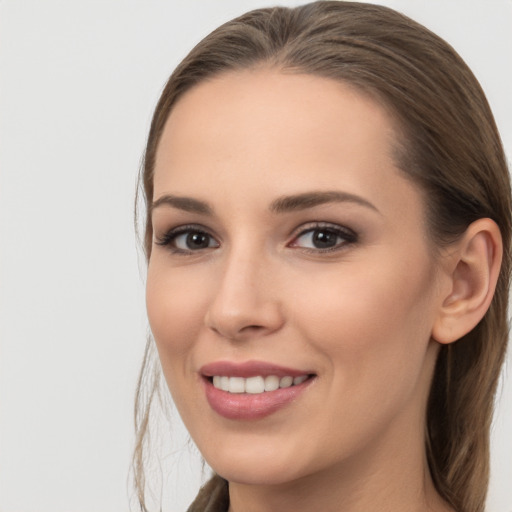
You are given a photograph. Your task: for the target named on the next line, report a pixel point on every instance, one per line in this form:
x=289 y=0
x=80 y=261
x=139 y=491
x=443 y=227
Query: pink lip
x=245 y=406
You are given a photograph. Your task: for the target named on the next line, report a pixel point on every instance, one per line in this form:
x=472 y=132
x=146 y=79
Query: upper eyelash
x=350 y=235
x=343 y=230
x=170 y=235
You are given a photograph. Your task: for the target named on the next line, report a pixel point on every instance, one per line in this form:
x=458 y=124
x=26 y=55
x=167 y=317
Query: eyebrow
x=282 y=204
x=311 y=199
x=188 y=204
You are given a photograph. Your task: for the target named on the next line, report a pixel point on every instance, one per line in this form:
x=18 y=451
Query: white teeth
x=236 y=385
x=271 y=383
x=255 y=385
x=285 y=382
x=224 y=383
x=299 y=380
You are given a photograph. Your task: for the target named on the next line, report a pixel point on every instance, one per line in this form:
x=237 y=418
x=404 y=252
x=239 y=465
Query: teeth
x=255 y=385
x=271 y=383
x=285 y=382
x=236 y=385
x=224 y=383
x=299 y=380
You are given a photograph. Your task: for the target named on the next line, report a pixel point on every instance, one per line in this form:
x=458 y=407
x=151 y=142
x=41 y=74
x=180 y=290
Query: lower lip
x=247 y=406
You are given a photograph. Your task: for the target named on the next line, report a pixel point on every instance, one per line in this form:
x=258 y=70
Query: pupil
x=198 y=240
x=324 y=239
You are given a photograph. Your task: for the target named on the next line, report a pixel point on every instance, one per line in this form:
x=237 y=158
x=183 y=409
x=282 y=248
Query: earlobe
x=475 y=265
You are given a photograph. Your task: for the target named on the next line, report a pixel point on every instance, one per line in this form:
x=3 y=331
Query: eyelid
x=171 y=234
x=308 y=226
x=348 y=234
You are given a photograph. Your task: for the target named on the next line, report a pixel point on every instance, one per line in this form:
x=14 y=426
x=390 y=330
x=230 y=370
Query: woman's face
x=287 y=244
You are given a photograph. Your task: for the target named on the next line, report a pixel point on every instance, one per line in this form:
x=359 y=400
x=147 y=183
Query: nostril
x=249 y=330
x=242 y=320
x=240 y=333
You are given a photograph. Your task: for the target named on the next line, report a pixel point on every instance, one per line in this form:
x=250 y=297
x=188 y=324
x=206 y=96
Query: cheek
x=175 y=312
x=373 y=332
x=374 y=323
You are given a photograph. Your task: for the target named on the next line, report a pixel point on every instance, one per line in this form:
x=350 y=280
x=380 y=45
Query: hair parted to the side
x=449 y=146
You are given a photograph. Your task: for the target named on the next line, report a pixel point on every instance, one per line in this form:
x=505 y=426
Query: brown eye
x=186 y=239
x=324 y=238
x=193 y=241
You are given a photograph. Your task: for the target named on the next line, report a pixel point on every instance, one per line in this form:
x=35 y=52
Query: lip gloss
x=247 y=406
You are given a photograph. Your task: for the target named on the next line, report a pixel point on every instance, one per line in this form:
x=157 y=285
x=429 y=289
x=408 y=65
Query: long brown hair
x=449 y=146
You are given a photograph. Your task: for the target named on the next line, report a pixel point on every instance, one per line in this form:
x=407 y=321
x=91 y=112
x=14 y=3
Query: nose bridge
x=245 y=301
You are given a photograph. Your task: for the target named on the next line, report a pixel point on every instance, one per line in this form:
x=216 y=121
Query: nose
x=245 y=304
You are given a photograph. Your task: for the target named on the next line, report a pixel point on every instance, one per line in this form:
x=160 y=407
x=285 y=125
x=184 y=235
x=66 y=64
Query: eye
x=324 y=238
x=193 y=241
x=186 y=239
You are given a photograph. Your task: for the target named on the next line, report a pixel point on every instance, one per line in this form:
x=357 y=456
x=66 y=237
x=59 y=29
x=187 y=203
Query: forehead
x=264 y=98
x=278 y=133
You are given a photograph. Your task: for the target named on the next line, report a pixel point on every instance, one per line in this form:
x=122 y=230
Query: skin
x=359 y=316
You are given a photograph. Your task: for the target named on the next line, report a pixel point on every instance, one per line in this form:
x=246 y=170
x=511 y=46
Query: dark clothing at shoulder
x=212 y=497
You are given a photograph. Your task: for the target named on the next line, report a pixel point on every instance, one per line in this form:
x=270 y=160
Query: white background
x=78 y=82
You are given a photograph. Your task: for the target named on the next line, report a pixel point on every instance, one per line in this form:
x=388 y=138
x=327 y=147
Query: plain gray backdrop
x=78 y=82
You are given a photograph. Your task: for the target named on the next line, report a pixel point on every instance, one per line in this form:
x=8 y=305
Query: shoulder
x=212 y=497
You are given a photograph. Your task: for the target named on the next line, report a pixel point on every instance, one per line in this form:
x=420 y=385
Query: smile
x=252 y=390
x=256 y=385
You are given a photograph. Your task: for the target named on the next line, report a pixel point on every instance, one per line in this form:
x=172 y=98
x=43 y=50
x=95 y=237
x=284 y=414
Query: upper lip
x=249 y=369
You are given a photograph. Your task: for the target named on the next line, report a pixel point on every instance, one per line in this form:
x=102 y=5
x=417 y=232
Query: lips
x=253 y=389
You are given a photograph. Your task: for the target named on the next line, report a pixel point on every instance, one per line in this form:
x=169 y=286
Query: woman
x=327 y=234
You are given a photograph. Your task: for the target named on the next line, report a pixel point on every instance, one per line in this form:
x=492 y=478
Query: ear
x=474 y=265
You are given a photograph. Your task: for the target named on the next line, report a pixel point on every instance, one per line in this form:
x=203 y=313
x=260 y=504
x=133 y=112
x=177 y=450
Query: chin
x=261 y=466
x=262 y=474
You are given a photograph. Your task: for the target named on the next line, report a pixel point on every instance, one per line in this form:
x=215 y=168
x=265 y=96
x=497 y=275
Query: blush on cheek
x=175 y=318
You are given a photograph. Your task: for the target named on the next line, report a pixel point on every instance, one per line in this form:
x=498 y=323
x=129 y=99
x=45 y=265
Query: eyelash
x=348 y=236
x=168 y=238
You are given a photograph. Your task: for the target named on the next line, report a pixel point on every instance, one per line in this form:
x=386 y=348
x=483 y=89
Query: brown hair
x=450 y=147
